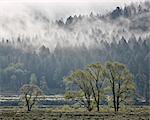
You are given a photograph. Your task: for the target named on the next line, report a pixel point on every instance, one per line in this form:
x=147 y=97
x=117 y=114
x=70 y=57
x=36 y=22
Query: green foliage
x=70 y=95
x=81 y=84
x=97 y=81
x=121 y=83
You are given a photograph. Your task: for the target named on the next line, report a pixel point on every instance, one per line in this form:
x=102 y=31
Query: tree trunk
x=117 y=107
x=98 y=101
x=118 y=97
x=114 y=96
x=98 y=106
x=89 y=104
x=113 y=91
x=29 y=108
x=27 y=103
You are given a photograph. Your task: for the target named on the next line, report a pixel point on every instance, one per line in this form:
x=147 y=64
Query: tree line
x=18 y=67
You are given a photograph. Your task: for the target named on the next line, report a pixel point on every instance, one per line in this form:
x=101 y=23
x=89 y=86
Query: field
x=59 y=109
x=64 y=114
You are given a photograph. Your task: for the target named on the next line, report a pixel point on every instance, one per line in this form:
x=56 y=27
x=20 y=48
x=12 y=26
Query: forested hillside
x=49 y=55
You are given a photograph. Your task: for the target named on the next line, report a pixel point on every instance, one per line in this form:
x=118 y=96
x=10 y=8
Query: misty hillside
x=34 y=26
x=35 y=49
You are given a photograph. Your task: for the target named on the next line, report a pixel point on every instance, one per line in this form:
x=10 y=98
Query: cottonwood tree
x=98 y=79
x=79 y=81
x=121 y=83
x=30 y=94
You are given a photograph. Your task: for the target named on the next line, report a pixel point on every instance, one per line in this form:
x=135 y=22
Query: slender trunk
x=97 y=106
x=98 y=101
x=94 y=94
x=113 y=91
x=98 y=95
x=34 y=100
x=27 y=103
x=114 y=96
x=29 y=108
x=117 y=104
x=89 y=104
x=118 y=96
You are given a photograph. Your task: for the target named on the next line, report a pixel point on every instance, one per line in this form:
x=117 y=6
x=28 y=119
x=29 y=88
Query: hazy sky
x=73 y=1
x=63 y=8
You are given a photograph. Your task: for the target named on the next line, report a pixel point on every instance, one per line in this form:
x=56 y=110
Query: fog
x=34 y=22
x=62 y=8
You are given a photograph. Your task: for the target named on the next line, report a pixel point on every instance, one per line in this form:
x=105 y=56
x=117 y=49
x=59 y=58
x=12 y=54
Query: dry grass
x=74 y=114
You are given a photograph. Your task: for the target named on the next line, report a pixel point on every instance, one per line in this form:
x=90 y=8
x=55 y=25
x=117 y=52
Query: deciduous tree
x=121 y=83
x=79 y=81
x=98 y=79
x=30 y=94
